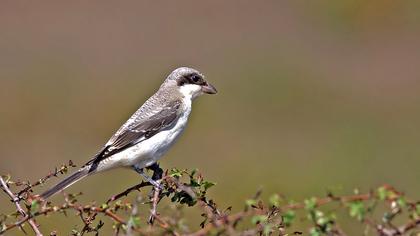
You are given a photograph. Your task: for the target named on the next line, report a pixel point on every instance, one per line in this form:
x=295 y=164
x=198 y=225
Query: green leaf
x=183 y=198
x=357 y=210
x=288 y=218
x=268 y=229
x=134 y=221
x=274 y=200
x=207 y=184
x=401 y=202
x=34 y=206
x=320 y=218
x=193 y=172
x=175 y=172
x=418 y=208
x=314 y=232
x=310 y=204
x=250 y=202
x=382 y=193
x=194 y=183
x=257 y=219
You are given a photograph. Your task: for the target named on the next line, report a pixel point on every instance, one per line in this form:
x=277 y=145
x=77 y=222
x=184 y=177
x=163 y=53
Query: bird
x=150 y=132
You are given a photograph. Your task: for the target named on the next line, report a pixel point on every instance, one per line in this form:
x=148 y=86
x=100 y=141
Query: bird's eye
x=195 y=78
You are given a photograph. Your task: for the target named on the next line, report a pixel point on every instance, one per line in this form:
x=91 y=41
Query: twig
x=15 y=200
x=114 y=198
x=65 y=206
x=127 y=191
x=402 y=230
x=134 y=212
x=165 y=225
x=55 y=173
x=231 y=219
x=155 y=200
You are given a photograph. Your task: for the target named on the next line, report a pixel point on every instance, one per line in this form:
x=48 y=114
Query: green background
x=313 y=95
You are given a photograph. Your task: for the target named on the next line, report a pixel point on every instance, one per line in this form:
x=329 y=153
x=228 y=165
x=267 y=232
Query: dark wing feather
x=138 y=132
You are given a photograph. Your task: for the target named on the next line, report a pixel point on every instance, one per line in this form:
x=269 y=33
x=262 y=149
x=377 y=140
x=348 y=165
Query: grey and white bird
x=150 y=131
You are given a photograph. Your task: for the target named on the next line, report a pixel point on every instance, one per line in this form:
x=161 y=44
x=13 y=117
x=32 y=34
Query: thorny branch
x=184 y=188
x=62 y=170
x=15 y=200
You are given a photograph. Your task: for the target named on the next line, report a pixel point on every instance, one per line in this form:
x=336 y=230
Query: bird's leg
x=157 y=175
x=157 y=171
x=145 y=176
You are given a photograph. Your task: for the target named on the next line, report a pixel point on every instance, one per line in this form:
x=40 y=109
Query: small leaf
x=250 y=202
x=175 y=172
x=100 y=225
x=357 y=210
x=401 y=202
x=314 y=232
x=259 y=219
x=268 y=229
x=34 y=206
x=134 y=221
x=194 y=183
x=193 y=172
x=382 y=193
x=207 y=184
x=320 y=218
x=418 y=208
x=288 y=218
x=310 y=204
x=275 y=200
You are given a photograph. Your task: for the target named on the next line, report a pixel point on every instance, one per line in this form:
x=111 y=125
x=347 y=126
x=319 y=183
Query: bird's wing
x=137 y=132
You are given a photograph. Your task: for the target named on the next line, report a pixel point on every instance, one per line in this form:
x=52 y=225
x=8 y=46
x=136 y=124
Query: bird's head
x=190 y=82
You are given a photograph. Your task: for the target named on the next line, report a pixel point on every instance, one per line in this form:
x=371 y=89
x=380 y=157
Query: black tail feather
x=78 y=175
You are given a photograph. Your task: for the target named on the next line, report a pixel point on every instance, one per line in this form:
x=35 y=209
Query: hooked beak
x=208 y=88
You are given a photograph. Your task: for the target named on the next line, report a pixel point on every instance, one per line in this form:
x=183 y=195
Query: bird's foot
x=154 y=182
x=156 y=177
x=154 y=194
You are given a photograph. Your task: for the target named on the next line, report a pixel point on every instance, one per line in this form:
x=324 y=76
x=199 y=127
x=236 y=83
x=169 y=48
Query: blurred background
x=313 y=95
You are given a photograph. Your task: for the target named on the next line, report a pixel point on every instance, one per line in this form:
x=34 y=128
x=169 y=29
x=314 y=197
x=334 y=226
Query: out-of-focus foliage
x=383 y=211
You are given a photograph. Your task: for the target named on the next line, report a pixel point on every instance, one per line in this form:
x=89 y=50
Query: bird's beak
x=208 y=88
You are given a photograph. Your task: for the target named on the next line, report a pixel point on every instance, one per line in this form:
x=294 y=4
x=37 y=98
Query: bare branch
x=15 y=200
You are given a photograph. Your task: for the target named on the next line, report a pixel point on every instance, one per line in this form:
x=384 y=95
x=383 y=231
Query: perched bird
x=150 y=131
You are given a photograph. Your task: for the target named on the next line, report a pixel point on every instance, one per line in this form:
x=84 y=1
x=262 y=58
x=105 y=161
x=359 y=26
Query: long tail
x=78 y=175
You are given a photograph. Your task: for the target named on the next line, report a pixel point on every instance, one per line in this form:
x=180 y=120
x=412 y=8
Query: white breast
x=150 y=150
